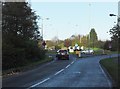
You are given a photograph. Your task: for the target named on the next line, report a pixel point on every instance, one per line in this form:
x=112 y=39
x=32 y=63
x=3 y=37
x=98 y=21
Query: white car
x=87 y=51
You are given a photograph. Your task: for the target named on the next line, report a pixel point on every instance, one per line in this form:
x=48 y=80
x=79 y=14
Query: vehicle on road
x=87 y=51
x=62 y=54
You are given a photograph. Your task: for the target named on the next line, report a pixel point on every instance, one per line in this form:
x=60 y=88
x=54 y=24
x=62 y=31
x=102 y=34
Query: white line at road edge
x=109 y=83
x=39 y=83
x=59 y=71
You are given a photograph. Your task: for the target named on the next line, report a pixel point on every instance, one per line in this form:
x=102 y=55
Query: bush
x=12 y=57
x=33 y=51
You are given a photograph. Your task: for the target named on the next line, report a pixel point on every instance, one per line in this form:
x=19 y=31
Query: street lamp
x=118 y=24
x=112 y=15
x=42 y=25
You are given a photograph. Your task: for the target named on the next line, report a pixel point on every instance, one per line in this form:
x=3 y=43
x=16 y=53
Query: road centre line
x=67 y=66
x=49 y=78
x=72 y=62
x=39 y=83
x=59 y=71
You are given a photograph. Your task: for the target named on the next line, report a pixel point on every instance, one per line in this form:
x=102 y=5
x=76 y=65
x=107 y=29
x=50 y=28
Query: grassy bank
x=28 y=66
x=112 y=67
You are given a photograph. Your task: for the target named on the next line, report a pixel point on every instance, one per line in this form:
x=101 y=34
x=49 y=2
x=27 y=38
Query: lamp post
x=43 y=26
x=118 y=23
x=118 y=29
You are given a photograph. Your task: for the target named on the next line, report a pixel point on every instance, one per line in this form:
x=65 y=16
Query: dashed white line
x=49 y=78
x=39 y=83
x=58 y=72
x=72 y=62
x=67 y=66
x=77 y=72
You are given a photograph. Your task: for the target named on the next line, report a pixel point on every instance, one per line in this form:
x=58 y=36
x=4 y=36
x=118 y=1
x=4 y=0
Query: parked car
x=62 y=54
x=88 y=51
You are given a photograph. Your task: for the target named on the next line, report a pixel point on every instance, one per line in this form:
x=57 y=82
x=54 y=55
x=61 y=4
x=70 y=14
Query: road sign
x=44 y=43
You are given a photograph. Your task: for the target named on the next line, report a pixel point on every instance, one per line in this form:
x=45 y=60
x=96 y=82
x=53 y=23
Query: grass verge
x=27 y=67
x=112 y=67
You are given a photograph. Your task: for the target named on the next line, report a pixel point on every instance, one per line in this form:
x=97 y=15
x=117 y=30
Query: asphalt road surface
x=80 y=72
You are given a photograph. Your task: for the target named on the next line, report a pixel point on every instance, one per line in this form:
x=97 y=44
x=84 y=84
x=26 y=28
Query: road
x=82 y=72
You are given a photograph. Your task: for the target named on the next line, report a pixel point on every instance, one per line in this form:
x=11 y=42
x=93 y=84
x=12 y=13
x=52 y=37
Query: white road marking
x=39 y=83
x=58 y=72
x=72 y=62
x=77 y=72
x=67 y=66
x=49 y=78
x=109 y=83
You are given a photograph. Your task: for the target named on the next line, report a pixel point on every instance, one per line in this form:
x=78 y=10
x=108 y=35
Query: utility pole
x=89 y=25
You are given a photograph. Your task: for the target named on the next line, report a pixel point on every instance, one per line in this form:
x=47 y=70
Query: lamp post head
x=112 y=15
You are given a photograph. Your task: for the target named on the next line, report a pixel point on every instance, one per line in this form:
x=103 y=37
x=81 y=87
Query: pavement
x=80 y=72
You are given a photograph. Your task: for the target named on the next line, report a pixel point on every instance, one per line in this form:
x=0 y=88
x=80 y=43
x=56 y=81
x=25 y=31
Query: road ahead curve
x=83 y=72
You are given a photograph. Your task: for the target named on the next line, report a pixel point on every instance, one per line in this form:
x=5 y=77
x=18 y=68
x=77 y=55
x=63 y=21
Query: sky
x=71 y=18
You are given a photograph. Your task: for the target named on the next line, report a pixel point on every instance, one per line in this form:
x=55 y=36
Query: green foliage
x=100 y=44
x=93 y=38
x=115 y=32
x=84 y=41
x=67 y=43
x=12 y=57
x=33 y=51
x=106 y=45
x=75 y=39
x=112 y=66
x=55 y=44
x=19 y=20
x=19 y=35
x=57 y=47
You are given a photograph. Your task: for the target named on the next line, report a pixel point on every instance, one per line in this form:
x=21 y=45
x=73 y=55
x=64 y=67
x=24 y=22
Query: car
x=62 y=54
x=88 y=51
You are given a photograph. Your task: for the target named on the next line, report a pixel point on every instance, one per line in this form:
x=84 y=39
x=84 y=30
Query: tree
x=84 y=41
x=106 y=45
x=93 y=37
x=19 y=20
x=115 y=38
x=75 y=39
x=49 y=43
x=67 y=42
x=100 y=44
x=20 y=34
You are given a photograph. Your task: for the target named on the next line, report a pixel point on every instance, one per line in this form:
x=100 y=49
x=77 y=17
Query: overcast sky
x=68 y=18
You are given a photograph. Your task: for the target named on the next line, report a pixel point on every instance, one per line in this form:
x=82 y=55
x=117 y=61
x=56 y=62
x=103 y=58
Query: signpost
x=44 y=44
